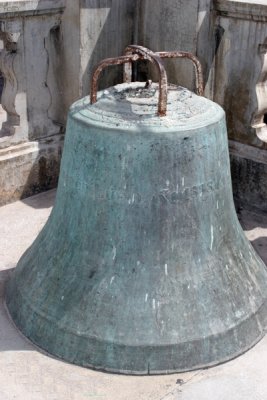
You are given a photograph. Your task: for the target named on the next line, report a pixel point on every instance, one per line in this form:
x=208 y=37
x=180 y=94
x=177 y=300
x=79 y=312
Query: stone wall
x=94 y=30
x=230 y=39
x=49 y=48
x=238 y=82
x=31 y=123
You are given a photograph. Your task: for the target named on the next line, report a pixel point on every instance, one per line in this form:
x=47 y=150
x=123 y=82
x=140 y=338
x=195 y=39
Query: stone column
x=175 y=25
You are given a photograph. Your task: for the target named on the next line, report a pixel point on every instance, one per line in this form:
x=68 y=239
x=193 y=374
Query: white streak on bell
x=133 y=199
x=217 y=205
x=182 y=181
x=211 y=237
x=146 y=297
x=114 y=252
x=112 y=279
x=154 y=304
x=166 y=269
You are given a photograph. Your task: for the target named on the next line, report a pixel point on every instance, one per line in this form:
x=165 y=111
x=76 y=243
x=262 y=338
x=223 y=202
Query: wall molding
x=30 y=7
x=250 y=9
x=249 y=152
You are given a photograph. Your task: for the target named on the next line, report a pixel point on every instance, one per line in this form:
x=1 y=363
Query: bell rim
x=141 y=349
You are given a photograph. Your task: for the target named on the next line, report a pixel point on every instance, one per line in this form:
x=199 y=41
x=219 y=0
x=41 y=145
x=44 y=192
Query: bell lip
x=131 y=372
x=91 y=116
x=150 y=372
x=142 y=348
x=117 y=343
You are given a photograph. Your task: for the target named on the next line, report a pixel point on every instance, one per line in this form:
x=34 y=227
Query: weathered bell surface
x=142 y=266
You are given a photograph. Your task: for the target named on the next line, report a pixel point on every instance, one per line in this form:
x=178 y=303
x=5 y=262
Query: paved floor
x=28 y=374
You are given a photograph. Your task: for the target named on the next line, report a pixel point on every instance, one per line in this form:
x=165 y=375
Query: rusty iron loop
x=196 y=62
x=103 y=64
x=171 y=54
x=135 y=53
x=147 y=54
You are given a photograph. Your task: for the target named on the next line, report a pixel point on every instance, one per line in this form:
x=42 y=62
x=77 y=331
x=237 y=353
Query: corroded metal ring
x=196 y=62
x=147 y=54
x=134 y=53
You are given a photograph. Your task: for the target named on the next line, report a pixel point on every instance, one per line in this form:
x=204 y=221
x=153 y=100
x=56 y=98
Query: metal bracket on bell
x=134 y=53
x=146 y=54
x=132 y=49
x=137 y=55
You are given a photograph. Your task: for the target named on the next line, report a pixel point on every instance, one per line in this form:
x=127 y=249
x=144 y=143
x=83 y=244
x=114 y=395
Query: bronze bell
x=142 y=267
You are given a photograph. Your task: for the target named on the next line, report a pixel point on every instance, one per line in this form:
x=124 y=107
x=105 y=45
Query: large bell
x=142 y=267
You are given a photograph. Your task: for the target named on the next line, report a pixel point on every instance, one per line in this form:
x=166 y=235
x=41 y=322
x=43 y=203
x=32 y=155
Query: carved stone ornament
x=10 y=32
x=259 y=120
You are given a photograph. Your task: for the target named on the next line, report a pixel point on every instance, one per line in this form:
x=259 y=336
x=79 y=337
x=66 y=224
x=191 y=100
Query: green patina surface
x=142 y=266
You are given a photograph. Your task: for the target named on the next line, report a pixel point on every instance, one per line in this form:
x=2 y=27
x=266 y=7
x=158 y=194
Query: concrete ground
x=26 y=373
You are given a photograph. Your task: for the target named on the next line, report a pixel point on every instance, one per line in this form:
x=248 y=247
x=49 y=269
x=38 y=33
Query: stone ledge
x=29 y=168
x=18 y=150
x=249 y=152
x=30 y=7
x=255 y=10
x=249 y=176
